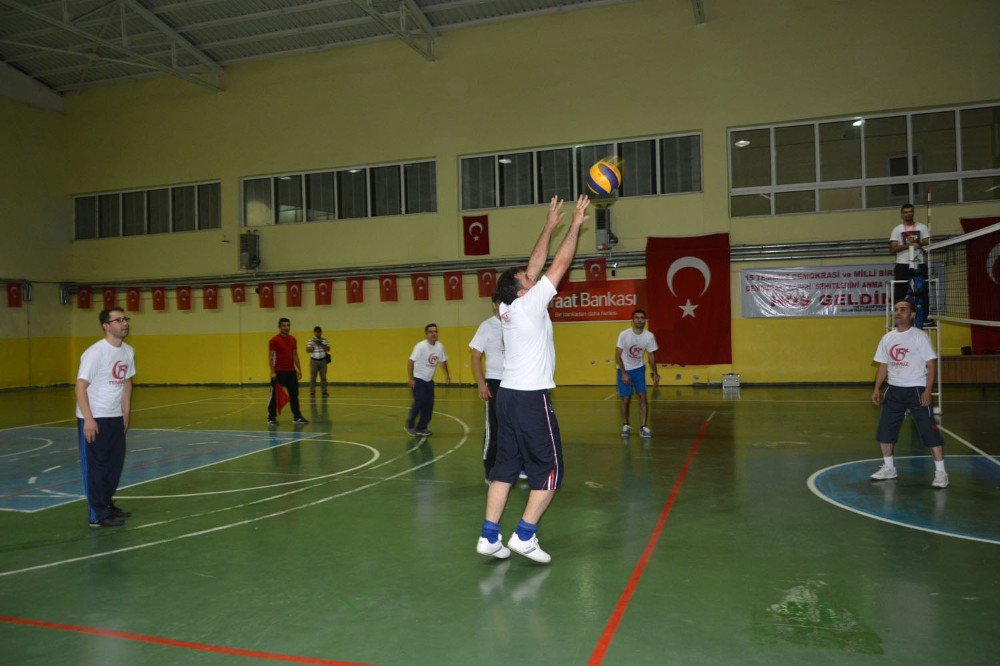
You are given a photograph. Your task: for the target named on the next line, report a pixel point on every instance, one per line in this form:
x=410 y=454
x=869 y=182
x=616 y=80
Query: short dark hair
x=637 y=311
x=317 y=329
x=283 y=320
x=104 y=316
x=508 y=285
x=905 y=206
x=428 y=326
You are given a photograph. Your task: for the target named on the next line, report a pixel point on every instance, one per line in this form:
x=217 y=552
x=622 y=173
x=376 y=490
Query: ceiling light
x=859 y=122
x=742 y=143
x=506 y=160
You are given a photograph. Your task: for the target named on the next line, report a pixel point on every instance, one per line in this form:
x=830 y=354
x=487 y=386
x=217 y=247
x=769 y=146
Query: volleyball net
x=967 y=272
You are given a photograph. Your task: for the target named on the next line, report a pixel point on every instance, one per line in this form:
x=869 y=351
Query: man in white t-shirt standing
x=488 y=340
x=908 y=240
x=632 y=343
x=103 y=405
x=420 y=368
x=318 y=348
x=906 y=357
x=529 y=433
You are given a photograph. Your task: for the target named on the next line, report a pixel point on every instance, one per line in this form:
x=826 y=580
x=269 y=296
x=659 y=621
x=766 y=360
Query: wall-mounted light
x=859 y=122
x=742 y=143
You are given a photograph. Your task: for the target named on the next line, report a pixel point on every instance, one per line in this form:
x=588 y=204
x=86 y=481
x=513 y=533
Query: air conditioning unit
x=249 y=251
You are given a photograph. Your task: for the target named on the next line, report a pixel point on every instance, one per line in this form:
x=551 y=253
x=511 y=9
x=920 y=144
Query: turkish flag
x=183 y=298
x=280 y=397
x=453 y=286
x=110 y=296
x=487 y=281
x=476 y=231
x=419 y=283
x=14 y=298
x=265 y=294
x=238 y=292
x=983 y=284
x=387 y=288
x=687 y=282
x=324 y=292
x=356 y=289
x=293 y=294
x=210 y=296
x=159 y=298
x=597 y=270
x=133 y=299
x=83 y=293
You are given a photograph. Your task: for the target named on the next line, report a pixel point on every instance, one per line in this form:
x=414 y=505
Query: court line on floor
x=170 y=642
x=601 y=649
x=978 y=450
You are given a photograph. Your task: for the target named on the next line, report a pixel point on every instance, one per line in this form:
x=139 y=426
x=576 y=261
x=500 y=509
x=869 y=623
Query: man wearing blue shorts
x=632 y=343
x=529 y=433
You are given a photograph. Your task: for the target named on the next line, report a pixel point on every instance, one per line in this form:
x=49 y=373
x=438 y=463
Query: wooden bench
x=972 y=369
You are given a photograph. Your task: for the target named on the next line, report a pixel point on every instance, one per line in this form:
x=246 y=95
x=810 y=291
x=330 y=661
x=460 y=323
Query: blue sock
x=491 y=531
x=526 y=530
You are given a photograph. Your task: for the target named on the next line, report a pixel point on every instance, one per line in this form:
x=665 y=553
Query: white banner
x=820 y=291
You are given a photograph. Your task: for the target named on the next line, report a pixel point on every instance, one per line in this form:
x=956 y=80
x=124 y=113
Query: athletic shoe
x=410 y=431
x=300 y=421
x=522 y=475
x=110 y=521
x=118 y=512
x=272 y=422
x=884 y=473
x=529 y=549
x=626 y=430
x=424 y=433
x=940 y=479
x=646 y=432
x=495 y=549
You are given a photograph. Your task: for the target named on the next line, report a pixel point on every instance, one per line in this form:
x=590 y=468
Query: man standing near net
x=632 y=343
x=908 y=240
x=906 y=357
x=529 y=432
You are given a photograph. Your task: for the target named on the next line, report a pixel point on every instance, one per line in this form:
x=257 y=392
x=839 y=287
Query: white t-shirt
x=633 y=346
x=529 y=362
x=320 y=346
x=906 y=355
x=425 y=359
x=903 y=234
x=489 y=340
x=107 y=369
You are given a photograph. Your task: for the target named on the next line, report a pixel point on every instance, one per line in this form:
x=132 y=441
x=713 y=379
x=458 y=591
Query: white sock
x=888 y=462
x=939 y=465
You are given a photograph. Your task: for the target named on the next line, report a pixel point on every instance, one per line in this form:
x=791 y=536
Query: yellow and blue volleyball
x=604 y=178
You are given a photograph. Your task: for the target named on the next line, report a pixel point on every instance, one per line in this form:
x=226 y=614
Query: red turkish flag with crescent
x=597 y=270
x=210 y=296
x=419 y=282
x=238 y=292
x=159 y=298
x=265 y=294
x=183 y=298
x=387 y=288
x=110 y=297
x=356 y=289
x=324 y=292
x=983 y=284
x=133 y=299
x=487 y=281
x=476 y=231
x=453 y=286
x=14 y=297
x=293 y=294
x=687 y=283
x=83 y=294
x=281 y=397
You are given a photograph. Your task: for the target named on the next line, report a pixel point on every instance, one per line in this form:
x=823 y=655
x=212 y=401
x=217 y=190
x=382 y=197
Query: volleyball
x=604 y=178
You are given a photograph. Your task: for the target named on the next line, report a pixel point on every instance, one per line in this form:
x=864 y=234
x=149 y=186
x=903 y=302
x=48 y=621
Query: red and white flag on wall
x=324 y=292
x=238 y=292
x=183 y=298
x=210 y=296
x=419 y=282
x=486 y=279
x=476 y=232
x=387 y=288
x=687 y=282
x=133 y=299
x=159 y=298
x=453 y=286
x=265 y=294
x=83 y=295
x=356 y=289
x=983 y=284
x=14 y=297
x=293 y=294
x=109 y=296
x=597 y=270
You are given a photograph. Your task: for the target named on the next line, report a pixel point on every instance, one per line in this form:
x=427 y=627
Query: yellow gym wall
x=636 y=69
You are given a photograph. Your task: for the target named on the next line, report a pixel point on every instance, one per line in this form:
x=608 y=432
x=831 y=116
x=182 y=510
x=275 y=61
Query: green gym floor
x=745 y=531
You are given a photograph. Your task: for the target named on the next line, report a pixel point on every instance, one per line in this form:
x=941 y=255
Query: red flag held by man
x=14 y=297
x=687 y=282
x=159 y=298
x=597 y=270
x=133 y=299
x=324 y=292
x=487 y=282
x=983 y=284
x=210 y=296
x=83 y=295
x=265 y=294
x=356 y=289
x=453 y=286
x=110 y=297
x=238 y=292
x=476 y=232
x=293 y=294
x=419 y=283
x=280 y=396
x=387 y=288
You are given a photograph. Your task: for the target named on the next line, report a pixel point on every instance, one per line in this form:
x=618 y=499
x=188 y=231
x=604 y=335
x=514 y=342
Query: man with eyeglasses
x=103 y=405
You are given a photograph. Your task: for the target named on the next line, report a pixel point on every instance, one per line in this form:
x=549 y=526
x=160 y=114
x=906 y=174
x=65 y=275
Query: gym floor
x=746 y=531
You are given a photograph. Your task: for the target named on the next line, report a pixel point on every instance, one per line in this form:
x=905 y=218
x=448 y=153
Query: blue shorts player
x=632 y=343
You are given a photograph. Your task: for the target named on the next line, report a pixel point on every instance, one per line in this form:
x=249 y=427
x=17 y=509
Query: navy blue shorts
x=529 y=439
x=637 y=377
x=895 y=402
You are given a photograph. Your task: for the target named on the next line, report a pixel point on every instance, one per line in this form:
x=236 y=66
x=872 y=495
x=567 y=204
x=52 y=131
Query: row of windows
x=155 y=211
x=663 y=165
x=394 y=189
x=866 y=162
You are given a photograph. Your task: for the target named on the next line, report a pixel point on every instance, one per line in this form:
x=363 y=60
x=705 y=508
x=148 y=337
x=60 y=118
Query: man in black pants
x=283 y=359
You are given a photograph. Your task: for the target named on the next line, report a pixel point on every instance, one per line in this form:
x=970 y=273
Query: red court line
x=253 y=654
x=601 y=649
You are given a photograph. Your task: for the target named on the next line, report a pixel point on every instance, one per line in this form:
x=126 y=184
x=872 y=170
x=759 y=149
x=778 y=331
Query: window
x=257 y=209
x=288 y=192
x=680 y=164
x=133 y=213
x=387 y=198
x=639 y=178
x=555 y=174
x=478 y=183
x=320 y=196
x=153 y=211
x=159 y=211
x=421 y=187
x=109 y=211
x=209 y=206
x=85 y=217
x=182 y=206
x=516 y=183
x=586 y=157
x=352 y=185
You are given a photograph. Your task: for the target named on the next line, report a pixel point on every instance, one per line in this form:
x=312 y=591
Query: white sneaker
x=496 y=549
x=940 y=479
x=646 y=432
x=884 y=473
x=529 y=549
x=626 y=430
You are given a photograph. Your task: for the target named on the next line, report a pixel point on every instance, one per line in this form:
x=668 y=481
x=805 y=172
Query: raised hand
x=555 y=214
x=580 y=212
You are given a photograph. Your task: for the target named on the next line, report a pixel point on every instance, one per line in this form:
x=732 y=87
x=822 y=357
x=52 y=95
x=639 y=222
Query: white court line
x=992 y=459
x=48 y=442
x=51 y=468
